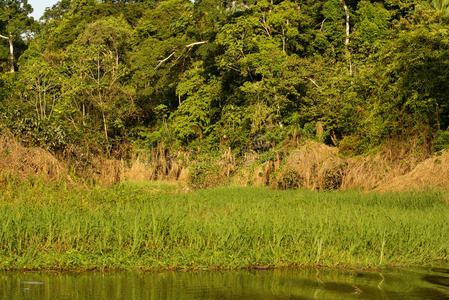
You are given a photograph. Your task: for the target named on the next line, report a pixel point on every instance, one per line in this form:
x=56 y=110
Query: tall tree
x=14 y=21
x=97 y=68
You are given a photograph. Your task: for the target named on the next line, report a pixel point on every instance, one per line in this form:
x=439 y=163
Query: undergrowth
x=158 y=226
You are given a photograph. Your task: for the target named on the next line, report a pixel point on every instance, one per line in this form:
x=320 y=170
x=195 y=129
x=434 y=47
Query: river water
x=419 y=283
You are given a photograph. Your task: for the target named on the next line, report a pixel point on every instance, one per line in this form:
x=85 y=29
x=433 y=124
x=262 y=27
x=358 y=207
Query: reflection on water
x=431 y=283
x=441 y=280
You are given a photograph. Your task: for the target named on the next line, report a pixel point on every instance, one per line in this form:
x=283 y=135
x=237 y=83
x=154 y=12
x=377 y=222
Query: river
x=414 y=283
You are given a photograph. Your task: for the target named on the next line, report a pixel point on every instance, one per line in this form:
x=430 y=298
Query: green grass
x=151 y=226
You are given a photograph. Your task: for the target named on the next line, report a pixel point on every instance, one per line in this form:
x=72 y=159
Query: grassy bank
x=153 y=226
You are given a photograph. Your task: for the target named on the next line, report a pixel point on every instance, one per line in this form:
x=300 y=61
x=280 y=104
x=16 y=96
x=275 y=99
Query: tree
x=14 y=21
x=163 y=52
x=192 y=119
x=371 y=28
x=228 y=73
x=42 y=83
x=57 y=11
x=96 y=69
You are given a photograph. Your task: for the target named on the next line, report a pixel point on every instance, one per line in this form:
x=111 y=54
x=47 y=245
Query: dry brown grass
x=23 y=162
x=227 y=164
x=159 y=164
x=320 y=167
x=311 y=165
x=316 y=166
x=396 y=158
x=165 y=164
x=432 y=172
x=138 y=172
x=15 y=159
x=397 y=166
x=108 y=171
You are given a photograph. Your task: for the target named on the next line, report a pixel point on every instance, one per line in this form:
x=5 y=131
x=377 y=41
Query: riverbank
x=160 y=226
x=398 y=165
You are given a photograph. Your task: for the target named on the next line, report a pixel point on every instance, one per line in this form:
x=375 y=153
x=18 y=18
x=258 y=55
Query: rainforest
x=196 y=81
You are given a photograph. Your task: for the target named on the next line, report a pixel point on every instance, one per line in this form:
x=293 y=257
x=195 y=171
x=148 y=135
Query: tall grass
x=151 y=226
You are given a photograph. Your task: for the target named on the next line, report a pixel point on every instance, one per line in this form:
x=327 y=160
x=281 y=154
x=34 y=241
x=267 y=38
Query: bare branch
x=173 y=53
x=179 y=57
x=322 y=24
x=4 y=37
x=313 y=81
x=164 y=60
x=196 y=43
x=234 y=68
x=264 y=25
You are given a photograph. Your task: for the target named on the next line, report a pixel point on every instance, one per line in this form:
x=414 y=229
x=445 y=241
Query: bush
x=442 y=141
x=204 y=173
x=289 y=180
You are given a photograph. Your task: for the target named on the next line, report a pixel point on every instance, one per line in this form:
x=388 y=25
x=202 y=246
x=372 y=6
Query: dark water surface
x=422 y=283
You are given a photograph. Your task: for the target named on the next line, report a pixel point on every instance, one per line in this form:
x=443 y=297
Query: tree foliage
x=210 y=74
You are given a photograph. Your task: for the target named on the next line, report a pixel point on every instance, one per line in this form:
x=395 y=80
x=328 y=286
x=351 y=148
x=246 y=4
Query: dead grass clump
x=394 y=159
x=160 y=163
x=312 y=166
x=108 y=171
x=227 y=164
x=165 y=163
x=138 y=172
x=398 y=165
x=261 y=174
x=290 y=179
x=316 y=165
x=432 y=172
x=17 y=160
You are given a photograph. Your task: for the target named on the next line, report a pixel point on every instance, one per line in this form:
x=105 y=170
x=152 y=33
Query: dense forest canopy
x=213 y=74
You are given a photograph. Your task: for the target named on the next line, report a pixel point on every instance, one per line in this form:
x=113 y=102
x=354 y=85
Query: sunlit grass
x=153 y=226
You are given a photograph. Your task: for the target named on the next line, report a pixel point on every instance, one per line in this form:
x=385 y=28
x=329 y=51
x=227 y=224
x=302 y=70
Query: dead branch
x=313 y=81
x=164 y=60
x=322 y=24
x=196 y=43
x=173 y=53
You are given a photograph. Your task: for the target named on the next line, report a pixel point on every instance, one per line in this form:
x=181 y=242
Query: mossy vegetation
x=162 y=226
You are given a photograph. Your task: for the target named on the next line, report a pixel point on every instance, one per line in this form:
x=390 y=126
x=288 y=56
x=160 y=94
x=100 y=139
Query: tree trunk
x=283 y=39
x=11 y=53
x=348 y=31
x=84 y=114
x=105 y=127
x=437 y=111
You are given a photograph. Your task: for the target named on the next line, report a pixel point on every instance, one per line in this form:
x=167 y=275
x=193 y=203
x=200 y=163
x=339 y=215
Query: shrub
x=442 y=141
x=204 y=173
